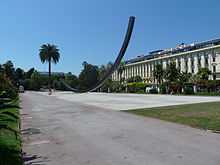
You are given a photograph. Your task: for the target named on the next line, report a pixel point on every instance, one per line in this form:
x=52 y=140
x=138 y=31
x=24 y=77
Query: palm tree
x=49 y=53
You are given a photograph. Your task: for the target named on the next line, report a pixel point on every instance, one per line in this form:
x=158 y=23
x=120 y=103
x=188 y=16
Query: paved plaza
x=64 y=130
x=116 y=101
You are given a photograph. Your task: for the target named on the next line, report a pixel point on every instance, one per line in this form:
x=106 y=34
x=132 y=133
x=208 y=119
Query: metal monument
x=116 y=63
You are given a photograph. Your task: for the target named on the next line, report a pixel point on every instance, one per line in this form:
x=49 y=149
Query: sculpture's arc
x=116 y=63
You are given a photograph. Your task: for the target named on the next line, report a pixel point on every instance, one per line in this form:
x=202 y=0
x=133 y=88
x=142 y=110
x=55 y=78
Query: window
x=213 y=59
x=214 y=77
x=186 y=65
x=179 y=63
x=206 y=61
x=199 y=62
x=214 y=69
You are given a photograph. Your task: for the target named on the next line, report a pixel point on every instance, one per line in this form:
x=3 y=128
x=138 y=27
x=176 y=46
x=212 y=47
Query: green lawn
x=10 y=139
x=202 y=115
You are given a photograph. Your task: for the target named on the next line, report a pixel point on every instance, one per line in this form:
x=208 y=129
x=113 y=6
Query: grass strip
x=201 y=115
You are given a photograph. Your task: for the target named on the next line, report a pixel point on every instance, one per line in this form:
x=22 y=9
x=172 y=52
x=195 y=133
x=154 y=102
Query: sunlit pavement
x=129 y=101
x=71 y=129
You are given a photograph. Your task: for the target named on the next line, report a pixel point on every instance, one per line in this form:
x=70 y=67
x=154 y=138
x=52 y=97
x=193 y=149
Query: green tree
x=19 y=75
x=184 y=77
x=36 y=81
x=89 y=76
x=134 y=79
x=158 y=73
x=171 y=73
x=103 y=69
x=9 y=70
x=71 y=79
x=1 y=69
x=49 y=53
x=29 y=73
x=204 y=73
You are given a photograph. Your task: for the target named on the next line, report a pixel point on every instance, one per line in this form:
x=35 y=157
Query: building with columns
x=188 y=58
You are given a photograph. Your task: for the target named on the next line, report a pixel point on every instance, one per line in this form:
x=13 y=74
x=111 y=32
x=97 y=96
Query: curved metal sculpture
x=116 y=63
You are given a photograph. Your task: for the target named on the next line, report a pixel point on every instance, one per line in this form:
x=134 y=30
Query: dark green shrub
x=6 y=85
x=134 y=79
x=136 y=87
x=162 y=89
x=188 y=89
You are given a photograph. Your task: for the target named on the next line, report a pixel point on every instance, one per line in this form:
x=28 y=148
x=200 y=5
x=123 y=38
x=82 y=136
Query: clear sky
x=93 y=30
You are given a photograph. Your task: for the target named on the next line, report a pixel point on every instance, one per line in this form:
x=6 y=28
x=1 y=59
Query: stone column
x=164 y=64
x=149 y=67
x=135 y=70
x=176 y=61
x=146 y=70
x=116 y=75
x=202 y=61
x=189 y=65
x=137 y=67
x=125 y=75
x=196 y=68
x=129 y=72
x=182 y=68
x=152 y=69
x=169 y=61
x=132 y=71
x=140 y=70
x=143 y=71
x=210 y=62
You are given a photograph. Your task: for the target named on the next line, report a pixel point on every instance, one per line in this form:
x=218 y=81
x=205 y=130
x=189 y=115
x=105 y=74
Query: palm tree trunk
x=49 y=84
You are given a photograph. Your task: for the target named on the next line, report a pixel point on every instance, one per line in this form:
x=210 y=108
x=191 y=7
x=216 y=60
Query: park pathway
x=60 y=132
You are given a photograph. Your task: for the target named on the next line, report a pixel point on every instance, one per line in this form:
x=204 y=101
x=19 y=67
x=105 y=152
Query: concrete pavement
x=65 y=132
x=122 y=101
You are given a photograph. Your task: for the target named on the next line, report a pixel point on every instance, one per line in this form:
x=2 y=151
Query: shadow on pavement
x=34 y=159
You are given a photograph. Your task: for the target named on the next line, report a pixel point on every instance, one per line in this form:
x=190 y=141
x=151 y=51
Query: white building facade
x=188 y=58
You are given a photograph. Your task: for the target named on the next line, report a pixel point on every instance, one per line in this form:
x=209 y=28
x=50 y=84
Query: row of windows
x=143 y=70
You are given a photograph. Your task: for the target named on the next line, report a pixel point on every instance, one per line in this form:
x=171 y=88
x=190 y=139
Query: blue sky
x=93 y=30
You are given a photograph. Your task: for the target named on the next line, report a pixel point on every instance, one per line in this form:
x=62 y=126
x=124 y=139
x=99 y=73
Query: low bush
x=188 y=89
x=162 y=89
x=6 y=85
x=136 y=87
x=10 y=139
x=134 y=79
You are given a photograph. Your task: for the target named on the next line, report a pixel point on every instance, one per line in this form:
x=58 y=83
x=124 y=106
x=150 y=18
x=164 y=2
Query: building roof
x=178 y=49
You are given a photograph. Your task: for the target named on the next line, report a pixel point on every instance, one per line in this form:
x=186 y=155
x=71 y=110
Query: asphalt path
x=61 y=132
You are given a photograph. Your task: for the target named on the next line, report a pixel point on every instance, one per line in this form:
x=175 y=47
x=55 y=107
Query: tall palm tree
x=49 y=53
